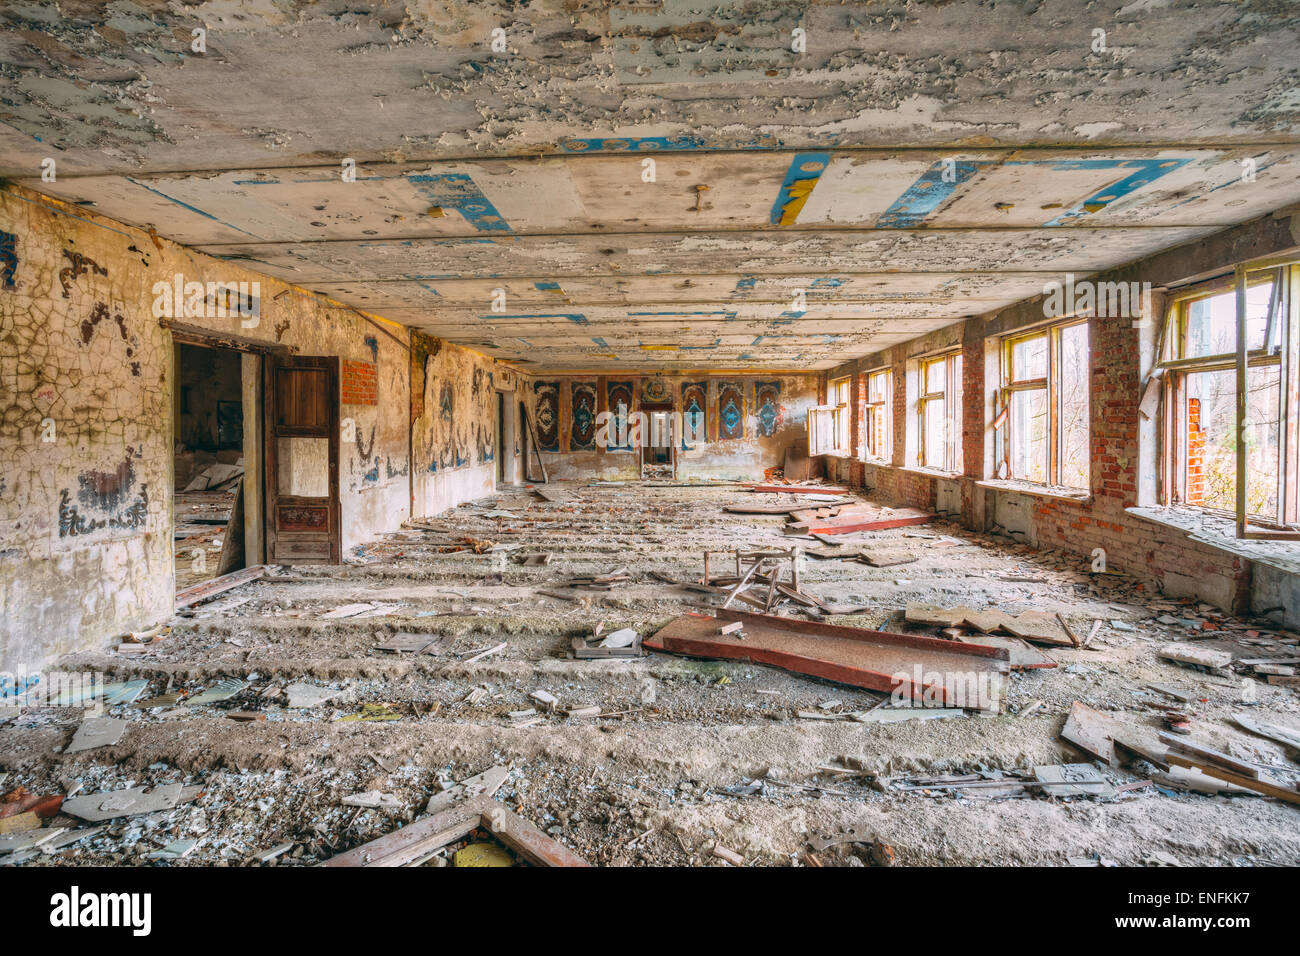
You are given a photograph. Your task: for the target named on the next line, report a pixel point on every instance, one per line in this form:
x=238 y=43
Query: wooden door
x=302 y=461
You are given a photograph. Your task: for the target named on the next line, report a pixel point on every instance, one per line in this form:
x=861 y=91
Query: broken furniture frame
x=417 y=842
x=214 y=586
x=754 y=568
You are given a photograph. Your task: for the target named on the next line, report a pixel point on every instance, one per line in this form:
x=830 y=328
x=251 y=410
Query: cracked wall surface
x=86 y=379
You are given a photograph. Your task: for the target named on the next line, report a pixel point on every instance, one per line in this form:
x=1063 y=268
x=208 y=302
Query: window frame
x=841 y=418
x=1279 y=349
x=882 y=431
x=951 y=398
x=1051 y=384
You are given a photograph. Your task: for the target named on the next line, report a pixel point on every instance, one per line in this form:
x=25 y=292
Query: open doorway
x=208 y=451
x=658 y=456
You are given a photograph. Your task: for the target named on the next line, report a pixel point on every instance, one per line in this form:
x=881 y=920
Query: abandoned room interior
x=795 y=434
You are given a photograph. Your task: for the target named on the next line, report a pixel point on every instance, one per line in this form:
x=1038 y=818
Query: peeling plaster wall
x=453 y=424
x=750 y=422
x=86 y=381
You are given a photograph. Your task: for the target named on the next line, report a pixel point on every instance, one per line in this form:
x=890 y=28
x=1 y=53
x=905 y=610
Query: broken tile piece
x=373 y=799
x=111 y=804
x=304 y=695
x=96 y=732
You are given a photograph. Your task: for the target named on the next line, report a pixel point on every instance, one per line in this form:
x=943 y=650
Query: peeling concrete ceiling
x=915 y=164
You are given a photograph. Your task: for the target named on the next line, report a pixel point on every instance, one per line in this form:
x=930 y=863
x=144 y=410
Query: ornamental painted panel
x=695 y=401
x=655 y=391
x=618 y=397
x=767 y=402
x=582 y=434
x=731 y=411
x=548 y=415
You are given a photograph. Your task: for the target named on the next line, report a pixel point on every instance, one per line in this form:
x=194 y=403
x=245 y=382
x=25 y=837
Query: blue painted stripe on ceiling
x=802 y=166
x=826 y=283
x=931 y=191
x=600 y=341
x=928 y=193
x=193 y=209
x=459 y=192
x=727 y=314
x=547 y=287
x=652 y=144
x=1145 y=172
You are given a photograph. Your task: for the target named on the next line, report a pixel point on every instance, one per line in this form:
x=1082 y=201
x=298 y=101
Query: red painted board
x=848 y=655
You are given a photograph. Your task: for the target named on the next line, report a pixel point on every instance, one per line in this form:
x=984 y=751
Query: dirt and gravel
x=686 y=754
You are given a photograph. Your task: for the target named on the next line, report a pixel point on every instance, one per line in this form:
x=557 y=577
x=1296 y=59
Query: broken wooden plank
x=1273 y=732
x=417 y=840
x=1091 y=731
x=1192 y=748
x=885 y=559
x=1200 y=656
x=1266 y=787
x=1024 y=657
x=757 y=509
x=797 y=489
x=207 y=589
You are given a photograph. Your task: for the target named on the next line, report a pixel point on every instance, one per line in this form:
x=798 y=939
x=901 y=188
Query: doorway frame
x=255 y=514
x=650 y=409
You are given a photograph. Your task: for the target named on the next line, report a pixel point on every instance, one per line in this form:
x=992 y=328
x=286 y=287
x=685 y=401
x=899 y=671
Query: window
x=878 y=437
x=939 y=413
x=1198 y=370
x=1041 y=426
x=840 y=414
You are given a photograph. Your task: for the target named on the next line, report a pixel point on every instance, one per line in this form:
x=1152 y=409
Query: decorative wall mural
x=79 y=265
x=582 y=434
x=731 y=411
x=548 y=415
x=770 y=414
x=695 y=402
x=655 y=391
x=8 y=259
x=618 y=397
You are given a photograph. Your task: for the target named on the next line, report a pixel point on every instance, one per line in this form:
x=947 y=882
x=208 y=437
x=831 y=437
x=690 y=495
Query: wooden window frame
x=1050 y=383
x=841 y=419
x=951 y=398
x=1280 y=348
x=878 y=441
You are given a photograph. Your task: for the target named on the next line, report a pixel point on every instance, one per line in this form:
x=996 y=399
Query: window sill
x=1220 y=532
x=930 y=472
x=1055 y=492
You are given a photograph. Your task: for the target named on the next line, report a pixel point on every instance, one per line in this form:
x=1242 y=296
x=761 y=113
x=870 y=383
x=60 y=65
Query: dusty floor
x=662 y=776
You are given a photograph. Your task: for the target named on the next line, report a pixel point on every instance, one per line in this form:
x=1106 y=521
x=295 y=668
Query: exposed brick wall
x=360 y=383
x=898 y=416
x=1195 y=491
x=1132 y=544
x=1135 y=544
x=972 y=408
x=1116 y=378
x=858 y=415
